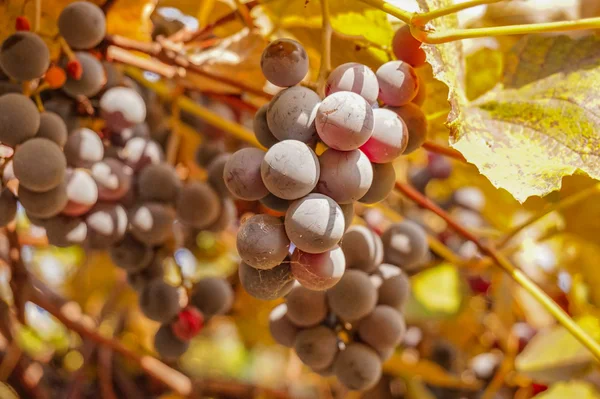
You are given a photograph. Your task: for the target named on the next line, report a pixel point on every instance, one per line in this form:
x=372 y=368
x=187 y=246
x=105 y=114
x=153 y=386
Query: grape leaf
x=571 y=389
x=437 y=290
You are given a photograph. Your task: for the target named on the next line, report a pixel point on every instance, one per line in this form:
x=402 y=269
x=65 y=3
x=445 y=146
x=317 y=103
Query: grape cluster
x=355 y=325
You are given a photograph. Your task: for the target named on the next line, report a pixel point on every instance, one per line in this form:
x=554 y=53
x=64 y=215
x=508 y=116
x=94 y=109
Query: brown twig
x=443 y=150
x=19 y=280
x=105 y=370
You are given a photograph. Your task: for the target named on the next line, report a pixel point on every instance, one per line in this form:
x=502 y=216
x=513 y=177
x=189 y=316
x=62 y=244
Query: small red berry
x=74 y=69
x=538 y=388
x=22 y=23
x=479 y=285
x=189 y=323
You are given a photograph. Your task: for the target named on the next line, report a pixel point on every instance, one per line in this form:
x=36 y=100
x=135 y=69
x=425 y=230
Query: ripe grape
x=82 y=192
x=63 y=107
x=318 y=272
x=266 y=284
x=344 y=121
x=358 y=367
x=353 y=297
x=8 y=206
x=362 y=248
x=384 y=179
x=167 y=345
x=406 y=48
x=262 y=242
x=393 y=286
x=113 y=179
x=345 y=175
x=188 y=324
x=317 y=347
x=421 y=93
x=198 y=205
x=282 y=329
x=398 y=83
x=419 y=178
x=152 y=222
x=290 y=169
x=19 y=119
x=314 y=223
x=291 y=114
x=159 y=182
x=106 y=224
x=356 y=78
x=284 y=62
x=139 y=152
x=24 y=56
x=39 y=164
x=485 y=364
x=209 y=151
x=416 y=123
x=64 y=231
x=92 y=80
x=227 y=217
x=215 y=172
x=242 y=174
x=382 y=329
x=44 y=205
x=470 y=198
x=122 y=108
x=83 y=148
x=9 y=87
x=159 y=301
x=275 y=203
x=261 y=128
x=82 y=25
x=138 y=280
x=130 y=254
x=53 y=128
x=405 y=245
x=306 y=308
x=348 y=211
x=212 y=296
x=389 y=138
x=439 y=166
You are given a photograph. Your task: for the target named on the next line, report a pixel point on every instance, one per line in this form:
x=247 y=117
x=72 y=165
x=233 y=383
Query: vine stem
x=402 y=15
x=38 y=16
x=326 y=33
x=443 y=150
x=518 y=275
x=420 y=19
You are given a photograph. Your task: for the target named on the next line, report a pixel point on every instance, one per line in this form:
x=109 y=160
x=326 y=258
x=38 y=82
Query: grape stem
x=443 y=150
x=175 y=137
x=37 y=16
x=326 y=33
x=420 y=19
x=517 y=275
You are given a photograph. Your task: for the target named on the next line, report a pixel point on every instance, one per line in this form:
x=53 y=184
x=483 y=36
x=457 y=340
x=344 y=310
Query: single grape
x=358 y=367
x=275 y=203
x=416 y=123
x=384 y=180
x=39 y=164
x=262 y=242
x=345 y=176
x=317 y=347
x=290 y=169
x=261 y=128
x=470 y=198
x=44 y=205
x=291 y=114
x=9 y=87
x=389 y=138
x=356 y=78
x=122 y=108
x=106 y=224
x=215 y=171
x=167 y=345
x=382 y=329
x=348 y=211
x=485 y=365
x=114 y=75
x=439 y=166
x=405 y=245
x=63 y=106
x=282 y=329
x=393 y=286
x=92 y=80
x=159 y=301
x=398 y=83
x=266 y=284
x=130 y=254
x=406 y=48
x=284 y=62
x=82 y=25
x=306 y=308
x=19 y=119
x=53 y=128
x=82 y=192
x=362 y=248
x=138 y=280
x=65 y=231
x=188 y=324
x=160 y=183
x=152 y=222
x=209 y=151
x=227 y=217
x=318 y=272
x=8 y=206
x=140 y=152
x=198 y=205
x=212 y=296
x=83 y=148
x=419 y=178
x=113 y=179
x=344 y=121
x=24 y=56
x=353 y=297
x=421 y=93
x=314 y=223
x=242 y=174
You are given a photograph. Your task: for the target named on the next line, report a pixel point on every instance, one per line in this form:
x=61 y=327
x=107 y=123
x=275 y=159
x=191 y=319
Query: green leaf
x=438 y=290
x=571 y=389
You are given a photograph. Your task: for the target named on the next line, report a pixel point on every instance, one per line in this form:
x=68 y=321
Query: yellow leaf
x=483 y=71
x=438 y=289
x=571 y=389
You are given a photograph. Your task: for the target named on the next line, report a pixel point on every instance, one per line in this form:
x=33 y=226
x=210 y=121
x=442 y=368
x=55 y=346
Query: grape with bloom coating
x=306 y=308
x=405 y=245
x=262 y=242
x=52 y=127
x=24 y=56
x=113 y=179
x=64 y=231
x=317 y=347
x=212 y=296
x=290 y=170
x=358 y=367
x=382 y=329
x=19 y=119
x=83 y=148
x=227 y=217
x=130 y=254
x=242 y=174
x=261 y=128
x=318 y=272
x=82 y=192
x=416 y=123
x=140 y=152
x=314 y=223
x=406 y=48
x=348 y=211
x=353 y=297
x=266 y=284
x=362 y=248
x=275 y=203
x=389 y=138
x=82 y=25
x=384 y=180
x=198 y=205
x=215 y=171
x=92 y=80
x=398 y=83
x=8 y=206
x=167 y=345
x=159 y=182
x=291 y=114
x=393 y=286
x=345 y=175
x=208 y=151
x=284 y=62
x=39 y=164
x=159 y=301
x=122 y=108
x=44 y=205
x=106 y=224
x=282 y=329
x=152 y=222
x=138 y=280
x=344 y=121
x=354 y=77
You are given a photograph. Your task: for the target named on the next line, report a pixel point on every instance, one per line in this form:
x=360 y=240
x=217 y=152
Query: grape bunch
x=352 y=327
